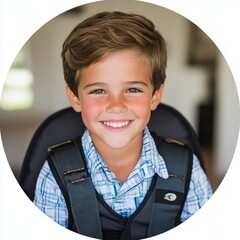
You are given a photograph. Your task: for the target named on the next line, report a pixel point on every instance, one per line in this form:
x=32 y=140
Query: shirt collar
x=150 y=160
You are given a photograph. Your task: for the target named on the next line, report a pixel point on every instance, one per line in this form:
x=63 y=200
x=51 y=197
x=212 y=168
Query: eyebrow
x=127 y=83
x=137 y=82
x=94 y=84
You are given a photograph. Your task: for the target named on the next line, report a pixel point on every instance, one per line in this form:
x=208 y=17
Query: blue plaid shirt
x=122 y=198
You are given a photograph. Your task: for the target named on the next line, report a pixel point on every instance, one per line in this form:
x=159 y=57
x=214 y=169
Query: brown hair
x=108 y=32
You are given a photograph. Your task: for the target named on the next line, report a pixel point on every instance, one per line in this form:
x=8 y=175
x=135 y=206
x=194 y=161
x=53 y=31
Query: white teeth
x=116 y=124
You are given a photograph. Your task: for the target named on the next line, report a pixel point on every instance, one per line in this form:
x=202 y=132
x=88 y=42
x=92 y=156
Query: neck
x=121 y=161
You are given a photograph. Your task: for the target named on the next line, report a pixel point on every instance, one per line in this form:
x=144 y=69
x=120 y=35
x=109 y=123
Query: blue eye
x=133 y=90
x=98 y=91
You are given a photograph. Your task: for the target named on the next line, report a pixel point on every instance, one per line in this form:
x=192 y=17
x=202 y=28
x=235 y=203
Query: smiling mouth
x=116 y=124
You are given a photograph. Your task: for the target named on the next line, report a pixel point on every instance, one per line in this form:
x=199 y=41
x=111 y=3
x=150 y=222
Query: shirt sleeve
x=199 y=191
x=48 y=197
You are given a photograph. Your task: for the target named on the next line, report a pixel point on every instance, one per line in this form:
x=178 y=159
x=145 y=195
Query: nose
x=116 y=104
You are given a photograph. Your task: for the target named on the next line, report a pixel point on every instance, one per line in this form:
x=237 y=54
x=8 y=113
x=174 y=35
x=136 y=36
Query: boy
x=114 y=66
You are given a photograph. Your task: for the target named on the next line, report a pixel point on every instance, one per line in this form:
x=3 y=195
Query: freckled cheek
x=141 y=109
x=91 y=109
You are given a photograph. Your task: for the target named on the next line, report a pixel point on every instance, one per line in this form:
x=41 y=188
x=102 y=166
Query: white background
x=219 y=218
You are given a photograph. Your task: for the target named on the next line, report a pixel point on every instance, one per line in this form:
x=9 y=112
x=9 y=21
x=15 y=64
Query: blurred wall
x=227 y=118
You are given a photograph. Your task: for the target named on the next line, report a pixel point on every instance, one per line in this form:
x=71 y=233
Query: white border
x=218 y=218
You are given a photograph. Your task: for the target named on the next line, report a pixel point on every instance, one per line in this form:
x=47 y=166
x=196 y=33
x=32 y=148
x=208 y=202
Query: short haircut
x=109 y=32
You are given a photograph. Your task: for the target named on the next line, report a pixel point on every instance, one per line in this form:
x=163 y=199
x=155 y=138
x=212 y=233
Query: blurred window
x=17 y=92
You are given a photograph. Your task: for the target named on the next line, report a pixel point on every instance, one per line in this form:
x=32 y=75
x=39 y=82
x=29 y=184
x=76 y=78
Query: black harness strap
x=67 y=165
x=68 y=161
x=171 y=193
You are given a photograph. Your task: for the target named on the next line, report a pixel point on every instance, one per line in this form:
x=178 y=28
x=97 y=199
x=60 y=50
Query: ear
x=156 y=98
x=73 y=99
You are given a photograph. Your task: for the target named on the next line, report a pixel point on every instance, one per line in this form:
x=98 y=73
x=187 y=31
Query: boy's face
x=116 y=97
